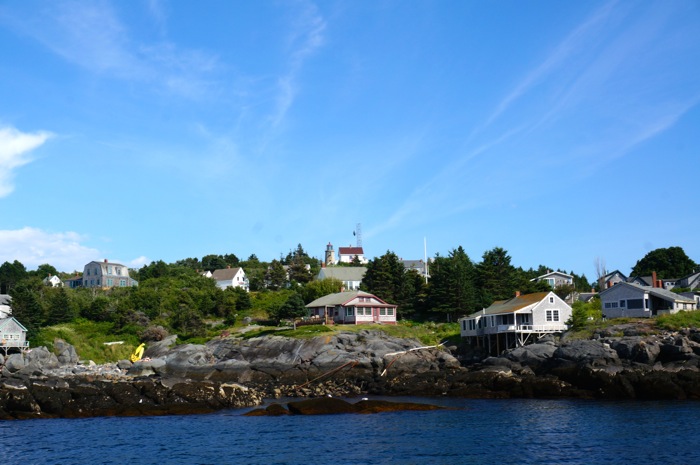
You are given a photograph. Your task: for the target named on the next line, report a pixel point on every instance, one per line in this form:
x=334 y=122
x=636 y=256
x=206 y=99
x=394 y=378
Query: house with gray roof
x=350 y=276
x=610 y=279
x=419 y=266
x=555 y=279
x=692 y=281
x=352 y=307
x=231 y=277
x=633 y=300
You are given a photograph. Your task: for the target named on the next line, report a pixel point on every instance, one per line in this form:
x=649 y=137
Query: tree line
x=177 y=297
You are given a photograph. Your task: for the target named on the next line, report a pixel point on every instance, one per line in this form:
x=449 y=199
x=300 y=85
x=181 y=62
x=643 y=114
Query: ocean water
x=473 y=432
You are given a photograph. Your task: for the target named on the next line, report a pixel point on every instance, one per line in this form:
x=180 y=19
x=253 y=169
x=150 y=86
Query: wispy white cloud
x=567 y=49
x=93 y=36
x=158 y=12
x=138 y=262
x=306 y=37
x=34 y=247
x=601 y=92
x=15 y=149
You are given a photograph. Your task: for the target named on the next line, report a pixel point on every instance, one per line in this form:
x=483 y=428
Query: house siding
x=610 y=302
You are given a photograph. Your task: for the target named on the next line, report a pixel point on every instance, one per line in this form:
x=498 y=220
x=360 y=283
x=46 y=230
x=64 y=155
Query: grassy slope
x=89 y=337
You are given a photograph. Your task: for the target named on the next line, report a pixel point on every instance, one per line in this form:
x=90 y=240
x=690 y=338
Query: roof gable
x=350 y=251
x=225 y=274
x=515 y=303
x=554 y=273
x=10 y=325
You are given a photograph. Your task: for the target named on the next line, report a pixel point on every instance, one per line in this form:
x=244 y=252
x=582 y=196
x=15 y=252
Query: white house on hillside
x=348 y=254
x=511 y=323
x=231 y=277
x=53 y=281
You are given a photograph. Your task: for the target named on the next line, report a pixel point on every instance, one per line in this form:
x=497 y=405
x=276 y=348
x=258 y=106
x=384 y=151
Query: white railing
x=515 y=328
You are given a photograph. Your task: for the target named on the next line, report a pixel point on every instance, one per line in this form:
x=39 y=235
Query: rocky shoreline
x=623 y=362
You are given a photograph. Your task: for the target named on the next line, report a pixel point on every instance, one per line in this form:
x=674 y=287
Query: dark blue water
x=479 y=432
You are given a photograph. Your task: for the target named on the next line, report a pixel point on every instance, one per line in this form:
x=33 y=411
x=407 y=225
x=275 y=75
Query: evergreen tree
x=299 y=272
x=10 y=275
x=242 y=299
x=59 y=308
x=496 y=276
x=452 y=287
x=276 y=276
x=292 y=308
x=318 y=288
x=385 y=278
x=26 y=308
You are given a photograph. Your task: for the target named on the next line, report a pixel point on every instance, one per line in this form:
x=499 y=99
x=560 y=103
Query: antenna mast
x=358 y=234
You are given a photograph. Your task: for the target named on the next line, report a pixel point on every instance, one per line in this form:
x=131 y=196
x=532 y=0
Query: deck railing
x=516 y=328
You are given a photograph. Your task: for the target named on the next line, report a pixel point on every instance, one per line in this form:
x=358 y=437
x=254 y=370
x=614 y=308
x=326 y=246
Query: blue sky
x=160 y=130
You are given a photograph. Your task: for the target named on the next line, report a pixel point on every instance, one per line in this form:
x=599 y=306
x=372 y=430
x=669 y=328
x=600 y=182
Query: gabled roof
x=343 y=273
x=655 y=291
x=350 y=251
x=7 y=321
x=613 y=273
x=105 y=262
x=559 y=273
x=225 y=274
x=514 y=304
x=342 y=298
x=647 y=280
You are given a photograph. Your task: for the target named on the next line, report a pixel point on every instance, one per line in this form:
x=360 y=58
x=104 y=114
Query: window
x=349 y=311
x=551 y=300
x=382 y=311
x=88 y=271
x=122 y=282
x=622 y=304
x=119 y=271
x=110 y=282
x=549 y=315
x=390 y=311
x=552 y=315
x=109 y=269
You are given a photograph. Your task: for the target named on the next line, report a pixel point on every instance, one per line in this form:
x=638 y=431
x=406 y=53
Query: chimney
x=517 y=293
x=228 y=267
x=105 y=260
x=654 y=283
